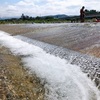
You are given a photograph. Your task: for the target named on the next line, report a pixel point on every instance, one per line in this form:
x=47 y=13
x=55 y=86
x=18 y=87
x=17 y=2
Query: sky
x=14 y=8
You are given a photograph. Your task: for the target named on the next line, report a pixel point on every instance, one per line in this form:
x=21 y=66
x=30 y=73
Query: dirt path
x=15 y=81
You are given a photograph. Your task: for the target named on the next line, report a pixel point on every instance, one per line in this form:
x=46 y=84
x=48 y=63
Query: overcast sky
x=12 y=8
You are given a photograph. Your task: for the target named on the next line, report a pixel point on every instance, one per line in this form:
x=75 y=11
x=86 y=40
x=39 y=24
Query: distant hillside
x=4 y=18
x=59 y=16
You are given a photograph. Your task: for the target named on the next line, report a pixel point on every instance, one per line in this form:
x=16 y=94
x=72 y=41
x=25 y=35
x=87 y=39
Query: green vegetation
x=18 y=21
x=92 y=12
x=89 y=15
x=28 y=19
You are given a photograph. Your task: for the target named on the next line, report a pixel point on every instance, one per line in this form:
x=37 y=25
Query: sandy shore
x=16 y=29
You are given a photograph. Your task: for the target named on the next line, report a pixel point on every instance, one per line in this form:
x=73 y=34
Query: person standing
x=82 y=14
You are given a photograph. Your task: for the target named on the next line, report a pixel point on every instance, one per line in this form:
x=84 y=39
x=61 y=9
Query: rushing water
x=60 y=69
x=88 y=64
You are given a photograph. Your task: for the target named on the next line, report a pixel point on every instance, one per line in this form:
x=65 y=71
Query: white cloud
x=93 y=4
x=47 y=7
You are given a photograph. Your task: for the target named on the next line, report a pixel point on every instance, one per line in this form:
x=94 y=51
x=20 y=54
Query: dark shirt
x=82 y=13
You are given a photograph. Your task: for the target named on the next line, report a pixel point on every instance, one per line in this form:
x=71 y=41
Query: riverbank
x=82 y=38
x=16 y=83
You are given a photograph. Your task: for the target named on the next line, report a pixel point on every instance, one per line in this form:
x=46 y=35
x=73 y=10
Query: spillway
x=57 y=69
x=89 y=64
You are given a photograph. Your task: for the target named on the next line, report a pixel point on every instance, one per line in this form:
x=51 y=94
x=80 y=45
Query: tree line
x=52 y=19
x=92 y=12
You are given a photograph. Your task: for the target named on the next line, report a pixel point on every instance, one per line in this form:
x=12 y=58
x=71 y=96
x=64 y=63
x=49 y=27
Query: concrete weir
x=88 y=64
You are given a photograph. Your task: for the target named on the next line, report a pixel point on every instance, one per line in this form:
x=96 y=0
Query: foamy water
x=63 y=81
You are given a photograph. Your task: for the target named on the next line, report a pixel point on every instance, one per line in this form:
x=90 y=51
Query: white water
x=63 y=81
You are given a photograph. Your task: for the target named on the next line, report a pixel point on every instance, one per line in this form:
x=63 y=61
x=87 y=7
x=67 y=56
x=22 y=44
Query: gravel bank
x=16 y=83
